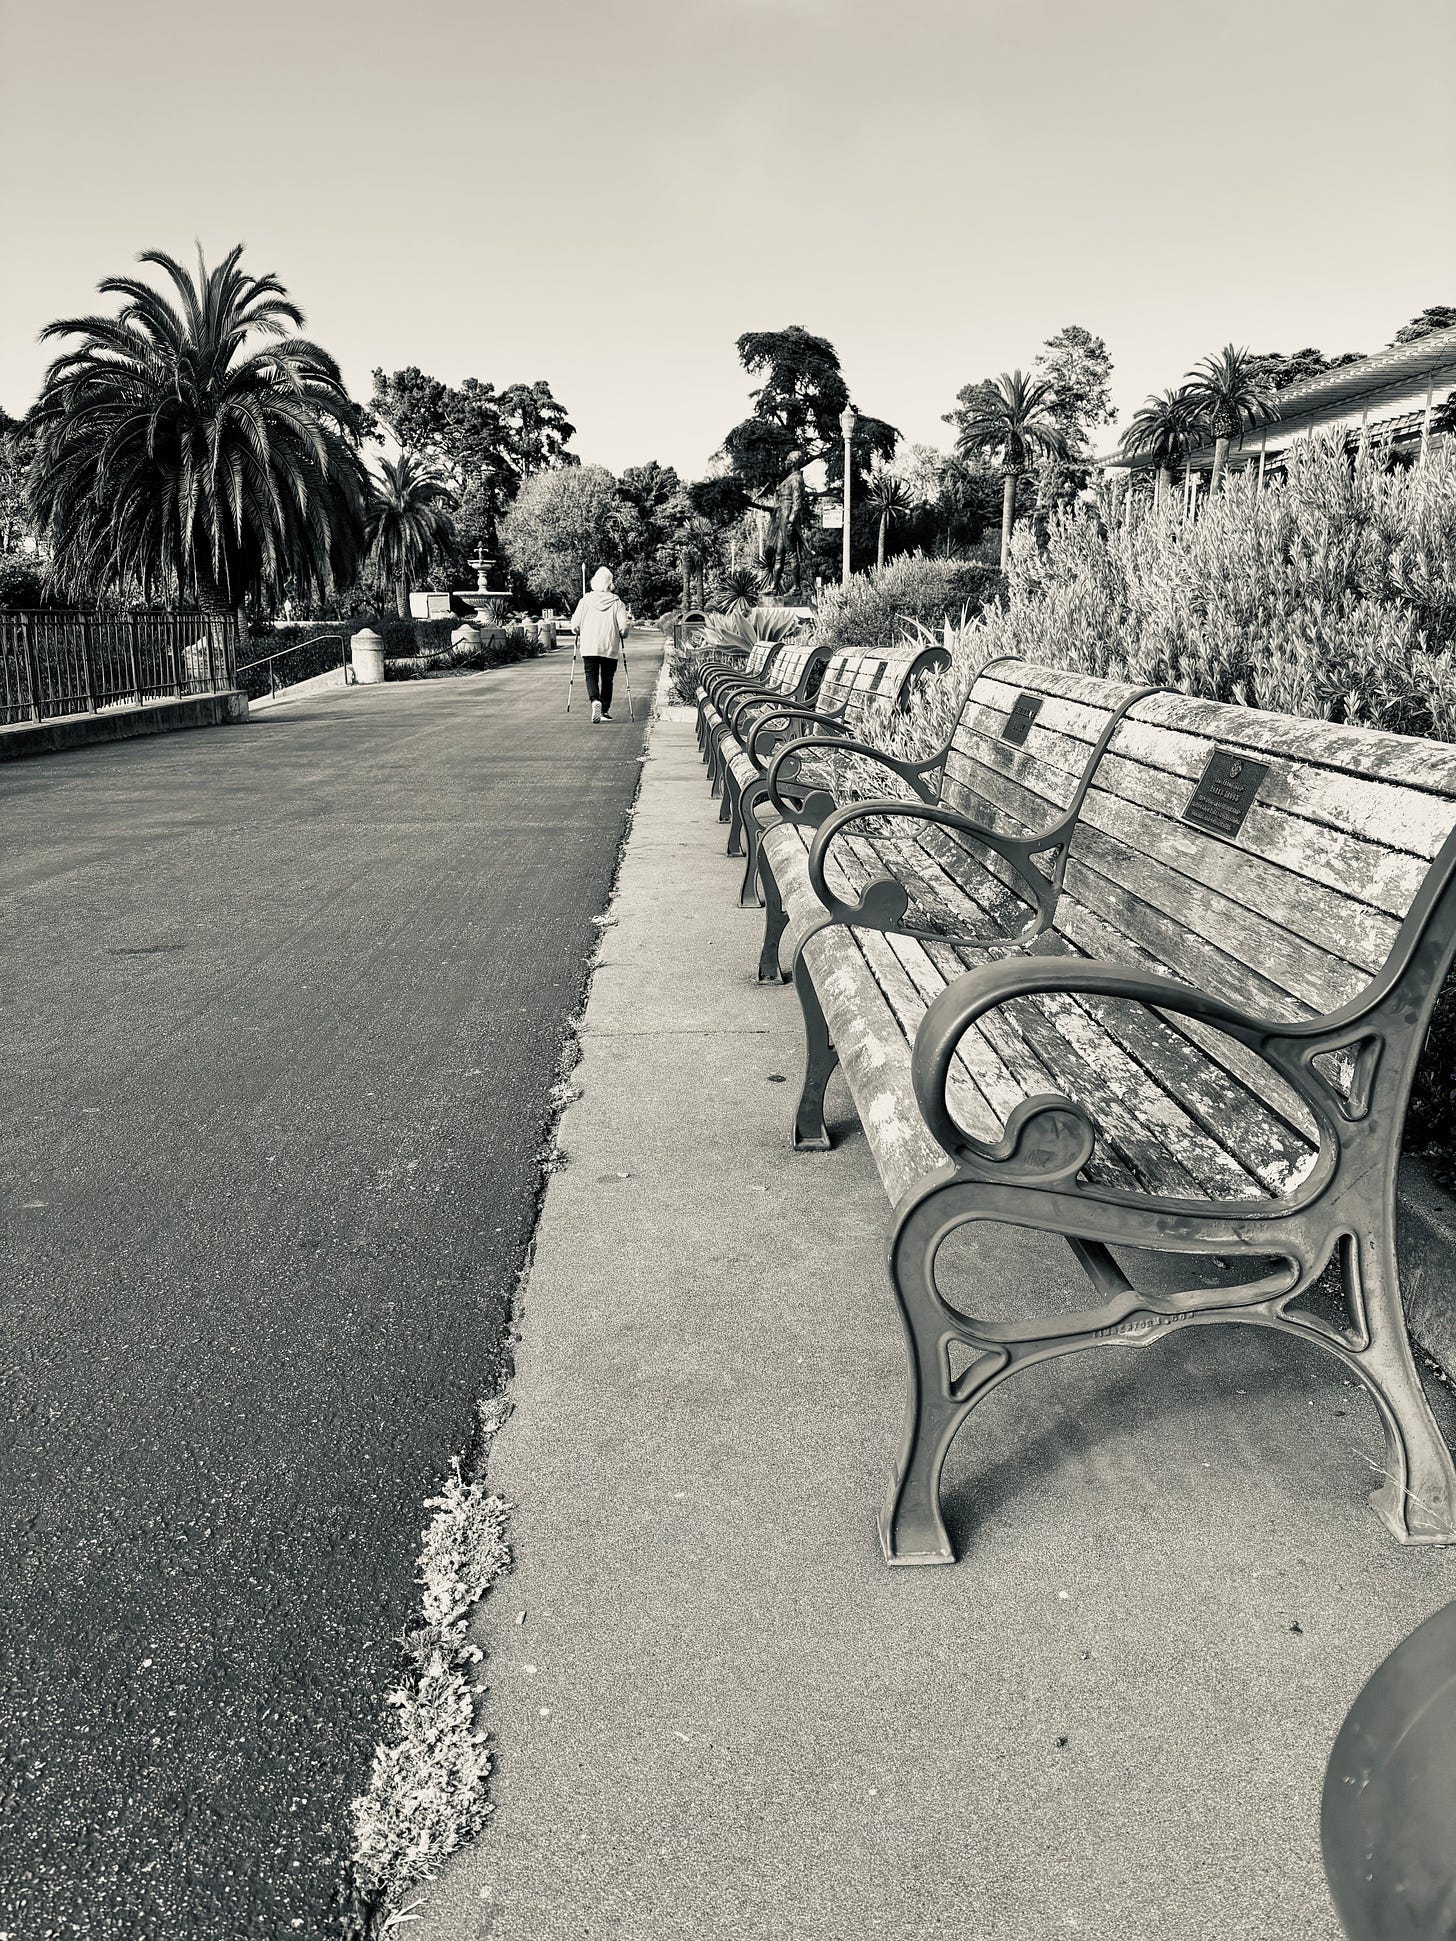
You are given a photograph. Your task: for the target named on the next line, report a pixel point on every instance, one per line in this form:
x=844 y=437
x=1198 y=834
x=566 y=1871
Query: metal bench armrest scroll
x=923 y=777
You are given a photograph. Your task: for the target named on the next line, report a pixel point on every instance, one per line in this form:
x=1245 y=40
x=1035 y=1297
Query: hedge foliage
x=1331 y=594
x=875 y=609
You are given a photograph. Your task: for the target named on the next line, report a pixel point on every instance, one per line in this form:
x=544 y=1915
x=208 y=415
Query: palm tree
x=407 y=523
x=1162 y=429
x=1231 y=394
x=179 y=455
x=1010 y=418
x=890 y=498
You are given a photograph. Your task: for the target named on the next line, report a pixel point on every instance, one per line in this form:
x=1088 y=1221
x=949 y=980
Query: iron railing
x=330 y=640
x=79 y=663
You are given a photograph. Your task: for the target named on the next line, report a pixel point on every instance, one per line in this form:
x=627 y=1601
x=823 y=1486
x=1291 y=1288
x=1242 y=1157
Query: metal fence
x=78 y=663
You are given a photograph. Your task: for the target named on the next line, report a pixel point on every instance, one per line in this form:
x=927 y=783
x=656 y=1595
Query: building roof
x=1386 y=370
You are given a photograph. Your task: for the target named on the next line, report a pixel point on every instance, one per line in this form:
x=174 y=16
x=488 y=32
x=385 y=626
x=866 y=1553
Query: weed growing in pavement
x=427 y=1790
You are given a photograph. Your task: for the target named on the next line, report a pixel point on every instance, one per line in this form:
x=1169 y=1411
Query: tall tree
x=1012 y=419
x=560 y=522
x=1282 y=370
x=1437 y=316
x=196 y=446
x=1079 y=370
x=968 y=501
x=537 y=430
x=888 y=499
x=794 y=424
x=651 y=496
x=1229 y=395
x=408 y=524
x=17 y=451
x=458 y=432
x=1161 y=429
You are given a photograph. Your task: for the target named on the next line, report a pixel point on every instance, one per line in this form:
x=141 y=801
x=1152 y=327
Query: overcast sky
x=605 y=193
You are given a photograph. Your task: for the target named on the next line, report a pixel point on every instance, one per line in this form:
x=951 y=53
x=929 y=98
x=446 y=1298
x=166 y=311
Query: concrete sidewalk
x=722 y=1716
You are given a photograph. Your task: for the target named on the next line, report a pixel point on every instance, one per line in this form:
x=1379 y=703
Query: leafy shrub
x=21 y=581
x=723 y=637
x=485 y=647
x=748 y=627
x=1331 y=594
x=875 y=609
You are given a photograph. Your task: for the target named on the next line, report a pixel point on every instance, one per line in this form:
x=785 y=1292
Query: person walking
x=601 y=623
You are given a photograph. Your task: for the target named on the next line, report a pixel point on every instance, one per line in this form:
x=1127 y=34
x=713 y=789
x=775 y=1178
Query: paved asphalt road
x=282 y=1007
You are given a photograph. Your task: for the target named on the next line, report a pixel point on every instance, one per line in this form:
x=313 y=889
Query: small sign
x=1225 y=791
x=1024 y=710
x=831 y=514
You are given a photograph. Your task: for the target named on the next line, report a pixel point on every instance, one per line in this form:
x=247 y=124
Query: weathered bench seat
x=1200 y=1041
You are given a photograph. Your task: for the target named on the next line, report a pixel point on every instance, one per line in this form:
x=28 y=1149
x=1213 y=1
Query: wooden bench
x=719 y=675
x=1016 y=762
x=859 y=686
x=1193 y=1029
x=793 y=675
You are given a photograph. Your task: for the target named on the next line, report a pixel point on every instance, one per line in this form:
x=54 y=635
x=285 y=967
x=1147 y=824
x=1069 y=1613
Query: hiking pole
x=627 y=676
x=571 y=678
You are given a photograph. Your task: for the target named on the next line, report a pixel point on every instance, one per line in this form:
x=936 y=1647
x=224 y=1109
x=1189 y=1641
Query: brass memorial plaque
x=1225 y=790
x=1024 y=710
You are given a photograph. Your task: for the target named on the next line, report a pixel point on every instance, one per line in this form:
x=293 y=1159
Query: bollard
x=466 y=643
x=366 y=650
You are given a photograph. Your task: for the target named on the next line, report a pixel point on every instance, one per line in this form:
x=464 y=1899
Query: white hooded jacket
x=600 y=619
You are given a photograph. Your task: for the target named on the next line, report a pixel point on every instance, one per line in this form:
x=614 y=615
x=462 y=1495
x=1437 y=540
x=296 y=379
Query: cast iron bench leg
x=733 y=795
x=775 y=922
x=752 y=834
x=912 y=1530
x=1417 y=1500
x=820 y=1059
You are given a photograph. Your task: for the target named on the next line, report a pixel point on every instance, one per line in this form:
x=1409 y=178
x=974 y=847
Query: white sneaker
x=596 y=711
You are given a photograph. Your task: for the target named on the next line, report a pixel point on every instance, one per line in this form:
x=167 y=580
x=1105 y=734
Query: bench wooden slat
x=1391 y=813
x=1342 y=929
x=1086 y=934
x=1351 y=866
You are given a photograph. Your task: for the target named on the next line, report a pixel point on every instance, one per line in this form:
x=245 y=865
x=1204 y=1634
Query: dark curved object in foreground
x=1388 y=1817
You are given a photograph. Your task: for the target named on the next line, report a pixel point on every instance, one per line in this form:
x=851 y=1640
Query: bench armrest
x=1049 y=1139
x=883 y=903
x=722 y=681
x=739 y=708
x=781 y=771
x=768 y=732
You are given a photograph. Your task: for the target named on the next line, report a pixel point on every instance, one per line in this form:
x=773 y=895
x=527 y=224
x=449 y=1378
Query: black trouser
x=600 y=674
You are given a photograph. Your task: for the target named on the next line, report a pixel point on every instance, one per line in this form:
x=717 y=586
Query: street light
x=847 y=419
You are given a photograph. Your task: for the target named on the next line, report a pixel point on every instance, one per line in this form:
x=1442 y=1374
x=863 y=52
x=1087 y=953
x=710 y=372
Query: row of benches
x=1120 y=965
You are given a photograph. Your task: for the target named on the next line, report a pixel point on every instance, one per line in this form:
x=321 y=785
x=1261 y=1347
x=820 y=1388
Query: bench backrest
x=798 y=668
x=861 y=680
x=1268 y=859
x=761 y=658
x=1025 y=740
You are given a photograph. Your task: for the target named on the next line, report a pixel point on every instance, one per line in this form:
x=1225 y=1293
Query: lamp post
x=847 y=419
